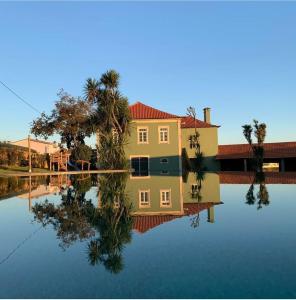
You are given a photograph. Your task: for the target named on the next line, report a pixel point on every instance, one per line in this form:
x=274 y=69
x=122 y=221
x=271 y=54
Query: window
x=142 y=135
x=163 y=135
x=140 y=166
x=165 y=198
x=164 y=161
x=144 y=198
x=164 y=172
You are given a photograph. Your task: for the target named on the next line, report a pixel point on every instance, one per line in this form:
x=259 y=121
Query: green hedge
x=11 y=155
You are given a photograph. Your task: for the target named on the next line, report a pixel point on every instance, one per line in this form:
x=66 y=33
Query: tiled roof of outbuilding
x=271 y=150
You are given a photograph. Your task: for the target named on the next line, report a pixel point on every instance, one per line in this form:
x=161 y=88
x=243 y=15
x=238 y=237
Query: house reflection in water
x=159 y=199
x=154 y=200
x=46 y=186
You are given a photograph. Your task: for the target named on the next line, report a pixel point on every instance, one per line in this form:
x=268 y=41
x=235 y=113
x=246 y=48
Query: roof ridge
x=140 y=110
x=137 y=102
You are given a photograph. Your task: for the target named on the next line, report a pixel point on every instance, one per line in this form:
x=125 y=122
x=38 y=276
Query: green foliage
x=198 y=164
x=111 y=118
x=81 y=183
x=247 y=131
x=259 y=131
x=262 y=196
x=81 y=152
x=13 y=156
x=10 y=186
x=71 y=119
x=111 y=153
x=106 y=227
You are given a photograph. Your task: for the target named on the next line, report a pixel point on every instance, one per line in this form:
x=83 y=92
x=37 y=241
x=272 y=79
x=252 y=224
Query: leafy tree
x=107 y=228
x=111 y=118
x=70 y=218
x=259 y=131
x=81 y=152
x=70 y=119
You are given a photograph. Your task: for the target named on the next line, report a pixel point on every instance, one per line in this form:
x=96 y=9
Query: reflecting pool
x=208 y=235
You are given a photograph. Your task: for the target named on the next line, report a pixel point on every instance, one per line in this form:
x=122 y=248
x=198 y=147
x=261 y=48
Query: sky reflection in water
x=72 y=240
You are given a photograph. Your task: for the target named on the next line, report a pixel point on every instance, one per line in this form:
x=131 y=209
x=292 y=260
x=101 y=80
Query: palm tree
x=257 y=149
x=111 y=119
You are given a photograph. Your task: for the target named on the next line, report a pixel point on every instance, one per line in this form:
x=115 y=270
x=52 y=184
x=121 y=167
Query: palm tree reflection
x=113 y=223
x=196 y=194
x=262 y=196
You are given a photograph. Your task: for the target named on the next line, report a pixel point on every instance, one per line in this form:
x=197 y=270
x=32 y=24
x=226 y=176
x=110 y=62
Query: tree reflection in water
x=112 y=221
x=196 y=194
x=107 y=227
x=262 y=196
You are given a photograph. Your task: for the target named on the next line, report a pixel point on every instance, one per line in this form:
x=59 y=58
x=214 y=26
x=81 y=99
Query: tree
x=111 y=118
x=259 y=131
x=262 y=195
x=70 y=218
x=70 y=119
x=194 y=142
x=112 y=221
x=107 y=228
x=81 y=152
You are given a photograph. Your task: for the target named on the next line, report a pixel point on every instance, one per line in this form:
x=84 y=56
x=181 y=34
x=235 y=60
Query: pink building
x=41 y=147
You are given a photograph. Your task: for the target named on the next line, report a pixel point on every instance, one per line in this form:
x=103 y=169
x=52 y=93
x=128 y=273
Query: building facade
x=160 y=140
x=41 y=147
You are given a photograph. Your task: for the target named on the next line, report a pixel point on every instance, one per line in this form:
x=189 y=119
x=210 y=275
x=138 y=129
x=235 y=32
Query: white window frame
x=164 y=172
x=141 y=205
x=138 y=134
x=170 y=193
x=164 y=162
x=140 y=177
x=159 y=134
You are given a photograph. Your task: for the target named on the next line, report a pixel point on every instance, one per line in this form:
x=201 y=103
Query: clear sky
x=239 y=58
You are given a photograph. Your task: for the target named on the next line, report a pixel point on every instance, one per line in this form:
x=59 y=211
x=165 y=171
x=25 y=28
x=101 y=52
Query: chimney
x=207 y=115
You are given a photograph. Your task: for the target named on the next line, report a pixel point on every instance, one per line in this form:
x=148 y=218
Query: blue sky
x=239 y=58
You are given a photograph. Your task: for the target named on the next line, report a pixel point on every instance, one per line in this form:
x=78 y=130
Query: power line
x=20 y=98
x=19 y=245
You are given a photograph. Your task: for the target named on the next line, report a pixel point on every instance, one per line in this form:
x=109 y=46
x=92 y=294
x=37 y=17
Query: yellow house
x=160 y=140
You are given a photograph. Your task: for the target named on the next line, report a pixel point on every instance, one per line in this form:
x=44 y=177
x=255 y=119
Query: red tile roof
x=143 y=111
x=248 y=177
x=188 y=122
x=145 y=223
x=272 y=150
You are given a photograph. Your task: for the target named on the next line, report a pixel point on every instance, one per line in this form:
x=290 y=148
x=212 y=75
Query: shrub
x=81 y=152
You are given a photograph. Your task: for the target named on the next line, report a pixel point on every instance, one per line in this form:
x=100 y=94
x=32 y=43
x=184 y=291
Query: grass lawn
x=17 y=169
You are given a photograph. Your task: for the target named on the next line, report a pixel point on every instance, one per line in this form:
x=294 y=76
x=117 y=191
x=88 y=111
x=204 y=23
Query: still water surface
x=160 y=237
